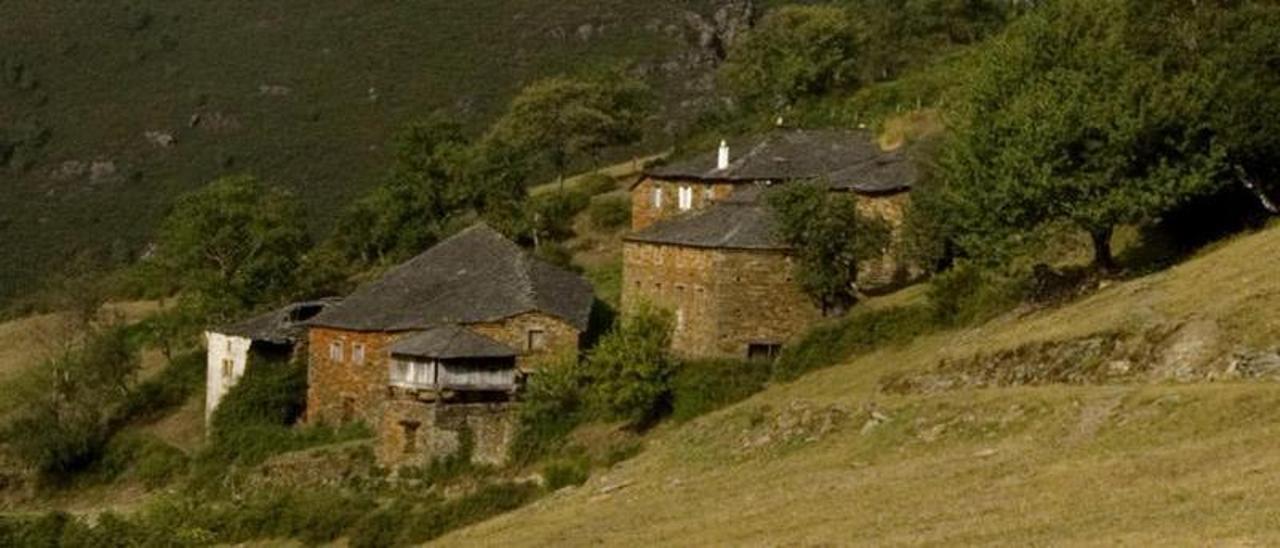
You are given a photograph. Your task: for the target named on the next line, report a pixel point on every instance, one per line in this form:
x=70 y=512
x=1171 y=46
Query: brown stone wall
x=343 y=391
x=675 y=278
x=728 y=299
x=889 y=270
x=643 y=212
x=758 y=301
x=413 y=433
x=514 y=332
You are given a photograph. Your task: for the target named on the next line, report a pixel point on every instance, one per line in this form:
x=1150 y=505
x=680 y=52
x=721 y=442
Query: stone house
x=711 y=255
x=271 y=337
x=432 y=352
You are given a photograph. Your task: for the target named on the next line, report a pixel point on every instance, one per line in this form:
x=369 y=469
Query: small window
x=657 y=197
x=537 y=340
x=763 y=351
x=410 y=436
x=228 y=346
x=335 y=351
x=228 y=369
x=685 y=198
x=707 y=194
x=357 y=354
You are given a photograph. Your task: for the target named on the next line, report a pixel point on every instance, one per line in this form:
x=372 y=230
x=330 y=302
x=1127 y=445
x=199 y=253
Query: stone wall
x=344 y=391
x=222 y=351
x=644 y=212
x=414 y=432
x=560 y=337
x=724 y=300
x=890 y=270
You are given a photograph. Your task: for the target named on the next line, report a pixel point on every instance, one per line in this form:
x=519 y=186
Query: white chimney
x=723 y=161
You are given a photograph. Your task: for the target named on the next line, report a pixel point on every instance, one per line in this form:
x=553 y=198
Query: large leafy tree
x=793 y=53
x=563 y=119
x=830 y=240
x=631 y=369
x=413 y=206
x=1067 y=121
x=233 y=245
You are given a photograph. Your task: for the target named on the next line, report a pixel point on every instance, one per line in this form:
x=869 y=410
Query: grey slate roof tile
x=451 y=342
x=476 y=275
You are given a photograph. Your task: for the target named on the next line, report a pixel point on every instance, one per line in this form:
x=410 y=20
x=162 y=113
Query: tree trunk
x=1102 y=257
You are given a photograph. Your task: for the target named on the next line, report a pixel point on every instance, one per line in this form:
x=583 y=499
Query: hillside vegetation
x=846 y=456
x=109 y=110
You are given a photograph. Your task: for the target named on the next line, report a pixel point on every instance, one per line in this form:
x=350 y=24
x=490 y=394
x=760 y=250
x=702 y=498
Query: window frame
x=337 y=351
x=357 y=353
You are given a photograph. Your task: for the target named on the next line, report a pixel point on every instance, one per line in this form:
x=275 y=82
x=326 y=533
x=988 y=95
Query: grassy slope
x=1140 y=464
x=98 y=75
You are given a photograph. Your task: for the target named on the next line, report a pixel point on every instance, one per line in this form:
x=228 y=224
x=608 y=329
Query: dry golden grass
x=1151 y=464
x=25 y=342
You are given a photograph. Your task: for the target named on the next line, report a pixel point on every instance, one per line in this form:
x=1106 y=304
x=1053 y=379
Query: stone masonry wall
x=643 y=211
x=758 y=301
x=413 y=433
x=724 y=300
x=344 y=391
x=889 y=270
x=514 y=332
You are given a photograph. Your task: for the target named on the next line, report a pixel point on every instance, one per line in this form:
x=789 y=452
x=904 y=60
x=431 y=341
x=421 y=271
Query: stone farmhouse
x=432 y=353
x=703 y=244
x=273 y=337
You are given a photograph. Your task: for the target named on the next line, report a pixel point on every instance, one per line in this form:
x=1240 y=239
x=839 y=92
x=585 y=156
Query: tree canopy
x=233 y=245
x=1084 y=113
x=562 y=119
x=793 y=53
x=831 y=240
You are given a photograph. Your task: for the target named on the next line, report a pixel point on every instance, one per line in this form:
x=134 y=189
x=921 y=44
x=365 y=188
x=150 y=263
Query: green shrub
x=968 y=294
x=553 y=404
x=552 y=213
x=562 y=473
x=861 y=331
x=593 y=184
x=171 y=388
x=610 y=212
x=630 y=370
x=703 y=386
x=152 y=461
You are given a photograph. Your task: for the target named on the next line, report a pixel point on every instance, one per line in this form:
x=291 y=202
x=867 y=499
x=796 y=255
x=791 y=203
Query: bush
x=563 y=473
x=552 y=213
x=553 y=404
x=630 y=370
x=171 y=388
x=593 y=184
x=860 y=331
x=967 y=294
x=152 y=461
x=701 y=387
x=610 y=212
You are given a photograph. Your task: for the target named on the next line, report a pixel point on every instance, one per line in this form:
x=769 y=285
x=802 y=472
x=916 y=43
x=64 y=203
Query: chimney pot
x=722 y=162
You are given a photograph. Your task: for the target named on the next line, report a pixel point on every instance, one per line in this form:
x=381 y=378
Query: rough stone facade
x=890 y=270
x=414 y=432
x=558 y=337
x=344 y=391
x=646 y=211
x=724 y=300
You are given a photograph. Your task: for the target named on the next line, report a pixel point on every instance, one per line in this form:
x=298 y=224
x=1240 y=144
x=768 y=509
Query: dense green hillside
x=110 y=109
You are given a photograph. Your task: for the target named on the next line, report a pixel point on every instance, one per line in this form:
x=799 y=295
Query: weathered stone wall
x=890 y=270
x=679 y=279
x=220 y=348
x=344 y=391
x=645 y=213
x=514 y=332
x=724 y=300
x=759 y=301
x=413 y=432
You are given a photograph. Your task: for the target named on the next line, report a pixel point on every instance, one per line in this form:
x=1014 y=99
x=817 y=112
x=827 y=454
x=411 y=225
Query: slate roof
x=779 y=155
x=731 y=224
x=285 y=325
x=888 y=172
x=476 y=275
x=451 y=342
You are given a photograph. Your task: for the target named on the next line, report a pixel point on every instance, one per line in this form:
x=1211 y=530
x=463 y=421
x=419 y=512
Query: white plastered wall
x=221 y=348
